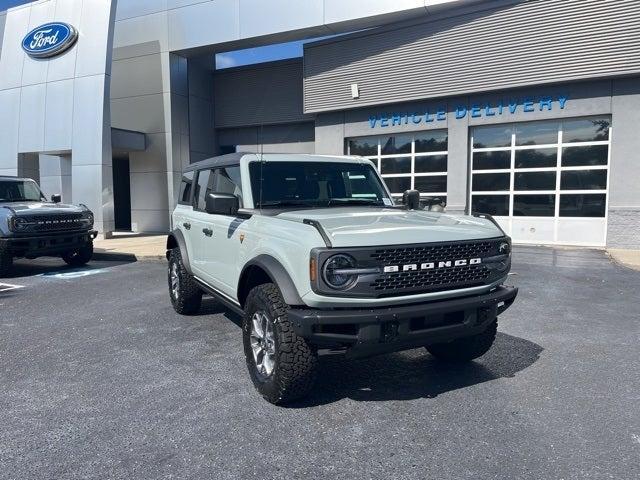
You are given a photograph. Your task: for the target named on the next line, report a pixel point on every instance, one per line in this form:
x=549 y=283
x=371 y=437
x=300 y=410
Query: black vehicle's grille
x=433 y=267
x=51 y=223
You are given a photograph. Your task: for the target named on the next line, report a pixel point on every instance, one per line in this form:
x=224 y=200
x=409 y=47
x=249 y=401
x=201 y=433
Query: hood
x=42 y=208
x=360 y=227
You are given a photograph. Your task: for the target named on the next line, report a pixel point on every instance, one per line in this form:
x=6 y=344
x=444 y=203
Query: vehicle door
x=184 y=209
x=223 y=247
x=200 y=231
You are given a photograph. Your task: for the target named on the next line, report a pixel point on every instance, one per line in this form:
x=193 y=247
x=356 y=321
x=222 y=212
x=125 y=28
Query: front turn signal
x=313 y=269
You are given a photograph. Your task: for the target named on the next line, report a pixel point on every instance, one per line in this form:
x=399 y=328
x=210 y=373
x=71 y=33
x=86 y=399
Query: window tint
x=395 y=165
x=396 y=144
x=186 y=186
x=485 y=137
x=398 y=185
x=431 y=184
x=535 y=181
x=583 y=180
x=435 y=141
x=536 y=133
x=203 y=187
x=491 y=204
x=490 y=182
x=585 y=156
x=431 y=163
x=586 y=130
x=491 y=160
x=305 y=184
x=537 y=158
x=583 y=205
x=365 y=146
x=534 y=205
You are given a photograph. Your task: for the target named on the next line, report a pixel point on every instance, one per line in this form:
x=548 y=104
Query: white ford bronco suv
x=313 y=253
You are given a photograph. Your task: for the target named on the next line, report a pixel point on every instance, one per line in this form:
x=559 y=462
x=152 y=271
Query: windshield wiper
x=285 y=203
x=354 y=201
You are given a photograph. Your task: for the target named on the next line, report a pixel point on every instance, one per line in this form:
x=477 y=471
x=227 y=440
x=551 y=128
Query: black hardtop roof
x=12 y=177
x=219 y=161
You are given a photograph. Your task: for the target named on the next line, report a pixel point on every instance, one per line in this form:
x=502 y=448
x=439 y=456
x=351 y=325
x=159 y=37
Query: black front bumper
x=378 y=330
x=44 y=245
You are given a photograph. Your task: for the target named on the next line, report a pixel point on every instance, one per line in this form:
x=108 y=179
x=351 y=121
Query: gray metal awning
x=123 y=141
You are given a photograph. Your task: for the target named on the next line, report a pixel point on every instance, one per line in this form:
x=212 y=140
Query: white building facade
x=525 y=110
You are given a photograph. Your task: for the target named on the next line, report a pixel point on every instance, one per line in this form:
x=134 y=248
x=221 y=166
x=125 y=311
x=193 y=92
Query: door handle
x=207 y=231
x=187 y=225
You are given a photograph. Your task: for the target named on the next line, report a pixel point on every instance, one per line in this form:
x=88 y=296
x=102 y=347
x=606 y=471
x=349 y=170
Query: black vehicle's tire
x=6 y=262
x=467 y=348
x=295 y=362
x=186 y=295
x=80 y=256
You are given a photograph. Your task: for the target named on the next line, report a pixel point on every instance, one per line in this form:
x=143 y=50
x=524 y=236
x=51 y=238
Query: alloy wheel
x=263 y=343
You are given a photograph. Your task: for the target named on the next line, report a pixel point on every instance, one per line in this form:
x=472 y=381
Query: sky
x=236 y=58
x=4 y=4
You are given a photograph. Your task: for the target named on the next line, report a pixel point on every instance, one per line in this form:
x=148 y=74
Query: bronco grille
x=421 y=280
x=50 y=223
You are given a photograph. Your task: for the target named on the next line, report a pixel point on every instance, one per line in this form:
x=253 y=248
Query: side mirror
x=411 y=199
x=222 y=204
x=56 y=198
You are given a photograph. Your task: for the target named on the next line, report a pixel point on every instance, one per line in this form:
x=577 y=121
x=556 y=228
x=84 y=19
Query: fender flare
x=176 y=239
x=278 y=275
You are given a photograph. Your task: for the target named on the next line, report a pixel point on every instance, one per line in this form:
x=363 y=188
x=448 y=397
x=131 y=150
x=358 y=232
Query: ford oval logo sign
x=49 y=40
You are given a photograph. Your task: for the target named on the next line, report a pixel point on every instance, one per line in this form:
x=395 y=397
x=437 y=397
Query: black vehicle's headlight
x=88 y=217
x=504 y=248
x=19 y=224
x=336 y=271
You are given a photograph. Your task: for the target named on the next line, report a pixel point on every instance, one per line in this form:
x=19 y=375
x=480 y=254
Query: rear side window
x=186 y=187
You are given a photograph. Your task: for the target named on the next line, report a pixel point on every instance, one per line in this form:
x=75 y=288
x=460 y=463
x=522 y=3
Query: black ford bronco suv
x=31 y=226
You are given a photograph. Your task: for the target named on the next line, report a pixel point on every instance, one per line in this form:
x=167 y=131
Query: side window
x=186 y=186
x=227 y=180
x=203 y=187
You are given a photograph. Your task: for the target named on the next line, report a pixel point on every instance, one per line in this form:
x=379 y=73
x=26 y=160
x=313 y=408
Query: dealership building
x=527 y=110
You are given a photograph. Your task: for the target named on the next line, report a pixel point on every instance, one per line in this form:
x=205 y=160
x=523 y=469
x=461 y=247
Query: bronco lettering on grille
x=431 y=265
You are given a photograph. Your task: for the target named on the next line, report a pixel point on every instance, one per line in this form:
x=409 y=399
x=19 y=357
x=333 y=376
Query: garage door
x=545 y=182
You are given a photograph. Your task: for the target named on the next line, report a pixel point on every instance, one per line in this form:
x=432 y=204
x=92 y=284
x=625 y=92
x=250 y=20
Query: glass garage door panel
x=416 y=160
x=546 y=181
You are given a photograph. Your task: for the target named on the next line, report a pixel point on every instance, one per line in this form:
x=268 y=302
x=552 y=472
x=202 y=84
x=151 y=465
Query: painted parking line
x=7 y=287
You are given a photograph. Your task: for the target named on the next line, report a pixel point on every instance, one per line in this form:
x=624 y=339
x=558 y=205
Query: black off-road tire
x=80 y=256
x=467 y=348
x=187 y=297
x=6 y=262
x=296 y=362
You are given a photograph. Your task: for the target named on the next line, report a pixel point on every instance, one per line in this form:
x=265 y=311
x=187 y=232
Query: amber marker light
x=313 y=269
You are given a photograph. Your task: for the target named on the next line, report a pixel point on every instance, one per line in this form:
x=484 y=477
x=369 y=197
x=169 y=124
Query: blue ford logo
x=49 y=40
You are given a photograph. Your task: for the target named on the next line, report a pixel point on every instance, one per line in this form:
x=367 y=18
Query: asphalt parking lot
x=99 y=378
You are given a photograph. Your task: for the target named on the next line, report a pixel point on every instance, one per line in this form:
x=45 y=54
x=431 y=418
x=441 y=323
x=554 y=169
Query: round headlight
x=334 y=273
x=504 y=248
x=19 y=223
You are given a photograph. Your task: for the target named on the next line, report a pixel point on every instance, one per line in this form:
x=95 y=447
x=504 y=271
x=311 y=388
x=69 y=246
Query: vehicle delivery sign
x=49 y=40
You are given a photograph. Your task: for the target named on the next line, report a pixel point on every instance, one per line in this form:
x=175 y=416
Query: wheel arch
x=266 y=269
x=175 y=239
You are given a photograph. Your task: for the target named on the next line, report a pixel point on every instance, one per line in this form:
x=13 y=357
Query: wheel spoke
x=257 y=325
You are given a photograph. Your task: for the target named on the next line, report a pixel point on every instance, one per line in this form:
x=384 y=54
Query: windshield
x=315 y=184
x=19 y=191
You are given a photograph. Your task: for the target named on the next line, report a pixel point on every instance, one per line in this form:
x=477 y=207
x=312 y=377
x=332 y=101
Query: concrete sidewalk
x=628 y=258
x=143 y=247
